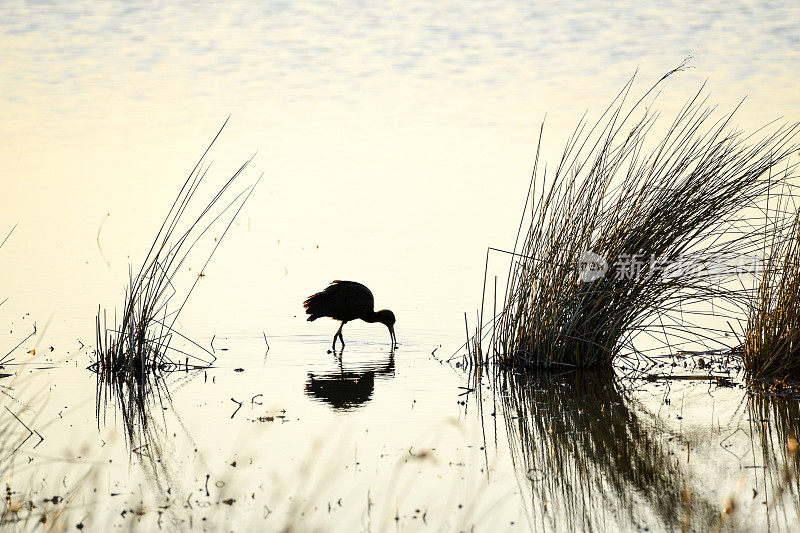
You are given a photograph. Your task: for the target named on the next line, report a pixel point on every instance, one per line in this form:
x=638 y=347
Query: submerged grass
x=772 y=342
x=132 y=353
x=604 y=255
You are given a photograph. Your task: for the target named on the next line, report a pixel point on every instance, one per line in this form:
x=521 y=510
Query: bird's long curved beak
x=394 y=337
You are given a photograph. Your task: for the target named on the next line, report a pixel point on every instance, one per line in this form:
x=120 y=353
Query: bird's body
x=346 y=301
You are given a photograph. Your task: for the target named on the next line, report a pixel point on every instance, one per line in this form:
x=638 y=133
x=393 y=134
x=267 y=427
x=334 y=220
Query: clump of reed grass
x=772 y=340
x=617 y=194
x=141 y=342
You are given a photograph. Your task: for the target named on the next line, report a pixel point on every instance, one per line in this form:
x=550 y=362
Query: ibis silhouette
x=346 y=301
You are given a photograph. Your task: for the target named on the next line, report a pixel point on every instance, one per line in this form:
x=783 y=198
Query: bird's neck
x=371 y=317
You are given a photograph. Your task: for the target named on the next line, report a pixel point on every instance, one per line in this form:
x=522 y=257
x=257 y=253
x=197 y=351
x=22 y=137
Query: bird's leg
x=338 y=334
x=341 y=337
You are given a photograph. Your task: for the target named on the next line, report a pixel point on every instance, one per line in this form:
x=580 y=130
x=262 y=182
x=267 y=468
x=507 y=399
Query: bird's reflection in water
x=350 y=385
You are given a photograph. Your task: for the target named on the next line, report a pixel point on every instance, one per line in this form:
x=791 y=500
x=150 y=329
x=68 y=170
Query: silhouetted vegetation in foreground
x=630 y=230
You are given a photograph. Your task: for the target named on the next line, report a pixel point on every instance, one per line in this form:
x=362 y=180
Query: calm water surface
x=396 y=142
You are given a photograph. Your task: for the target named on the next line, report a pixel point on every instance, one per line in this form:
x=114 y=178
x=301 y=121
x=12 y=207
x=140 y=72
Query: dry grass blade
x=8 y=235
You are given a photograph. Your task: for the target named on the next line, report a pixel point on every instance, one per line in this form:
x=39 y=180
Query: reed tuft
x=611 y=227
x=142 y=341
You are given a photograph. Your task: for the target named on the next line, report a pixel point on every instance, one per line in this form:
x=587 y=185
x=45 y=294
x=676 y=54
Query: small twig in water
x=31 y=432
x=237 y=409
x=98 y=239
x=4 y=360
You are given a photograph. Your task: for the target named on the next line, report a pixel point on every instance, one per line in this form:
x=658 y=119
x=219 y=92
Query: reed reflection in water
x=588 y=461
x=143 y=402
x=775 y=423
